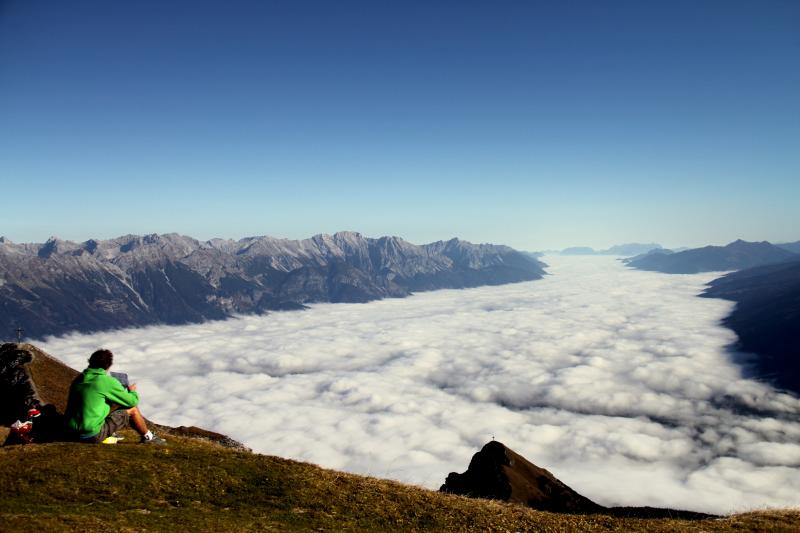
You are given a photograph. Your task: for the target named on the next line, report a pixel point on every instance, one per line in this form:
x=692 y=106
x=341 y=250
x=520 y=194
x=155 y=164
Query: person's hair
x=101 y=359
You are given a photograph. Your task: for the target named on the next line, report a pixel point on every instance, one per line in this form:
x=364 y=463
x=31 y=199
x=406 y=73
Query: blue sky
x=539 y=125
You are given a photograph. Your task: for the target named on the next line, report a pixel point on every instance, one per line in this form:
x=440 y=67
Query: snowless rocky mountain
x=61 y=286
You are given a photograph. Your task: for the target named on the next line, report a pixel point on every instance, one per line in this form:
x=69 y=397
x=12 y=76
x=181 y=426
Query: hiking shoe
x=111 y=440
x=118 y=436
x=155 y=440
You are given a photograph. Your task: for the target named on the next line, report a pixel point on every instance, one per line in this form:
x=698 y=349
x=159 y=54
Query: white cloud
x=617 y=381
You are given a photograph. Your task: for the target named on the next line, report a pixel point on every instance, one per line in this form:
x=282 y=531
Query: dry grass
x=194 y=485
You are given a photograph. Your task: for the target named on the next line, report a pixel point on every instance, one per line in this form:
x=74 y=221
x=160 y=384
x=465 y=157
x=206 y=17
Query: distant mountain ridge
x=734 y=256
x=61 y=286
x=627 y=250
x=793 y=247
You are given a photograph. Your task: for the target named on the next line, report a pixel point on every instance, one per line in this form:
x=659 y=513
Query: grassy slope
x=193 y=485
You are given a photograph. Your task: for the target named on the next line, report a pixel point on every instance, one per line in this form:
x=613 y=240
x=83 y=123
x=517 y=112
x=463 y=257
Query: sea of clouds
x=617 y=381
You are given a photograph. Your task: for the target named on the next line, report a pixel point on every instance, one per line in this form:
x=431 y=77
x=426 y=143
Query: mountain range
x=766 y=289
x=60 y=286
x=734 y=256
x=627 y=250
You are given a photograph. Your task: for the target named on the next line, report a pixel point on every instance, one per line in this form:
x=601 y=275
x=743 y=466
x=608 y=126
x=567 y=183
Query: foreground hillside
x=194 y=485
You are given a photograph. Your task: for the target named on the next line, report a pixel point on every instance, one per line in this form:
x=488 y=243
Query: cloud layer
x=617 y=381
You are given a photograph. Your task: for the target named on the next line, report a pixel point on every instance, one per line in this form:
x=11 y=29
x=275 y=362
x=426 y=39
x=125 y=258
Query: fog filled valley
x=621 y=382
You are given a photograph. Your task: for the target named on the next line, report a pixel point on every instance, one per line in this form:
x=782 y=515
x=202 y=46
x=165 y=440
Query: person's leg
x=137 y=421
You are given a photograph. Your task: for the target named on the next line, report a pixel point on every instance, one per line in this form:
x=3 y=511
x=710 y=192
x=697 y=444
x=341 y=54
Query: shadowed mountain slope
x=766 y=319
x=62 y=286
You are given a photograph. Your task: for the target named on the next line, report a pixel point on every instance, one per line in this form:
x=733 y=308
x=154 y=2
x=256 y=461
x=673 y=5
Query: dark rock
x=497 y=472
x=200 y=433
x=29 y=378
x=17 y=394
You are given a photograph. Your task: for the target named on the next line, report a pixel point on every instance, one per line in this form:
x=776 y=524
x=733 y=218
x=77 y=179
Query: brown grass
x=50 y=377
x=195 y=485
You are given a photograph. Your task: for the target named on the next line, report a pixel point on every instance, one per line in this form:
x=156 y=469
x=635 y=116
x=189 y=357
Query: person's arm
x=117 y=394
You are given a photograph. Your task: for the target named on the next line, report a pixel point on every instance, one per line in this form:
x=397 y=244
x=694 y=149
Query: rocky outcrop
x=195 y=432
x=497 y=472
x=29 y=377
x=17 y=393
x=61 y=286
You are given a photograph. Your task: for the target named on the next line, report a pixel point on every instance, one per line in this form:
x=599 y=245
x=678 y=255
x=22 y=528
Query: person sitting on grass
x=91 y=397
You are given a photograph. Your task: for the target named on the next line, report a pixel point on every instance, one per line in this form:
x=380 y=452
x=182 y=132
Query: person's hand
x=132 y=387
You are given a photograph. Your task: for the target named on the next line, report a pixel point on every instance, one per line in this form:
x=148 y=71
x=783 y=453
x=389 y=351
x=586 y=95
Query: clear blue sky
x=534 y=124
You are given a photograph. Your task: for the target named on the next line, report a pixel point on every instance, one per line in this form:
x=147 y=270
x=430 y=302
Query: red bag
x=21 y=433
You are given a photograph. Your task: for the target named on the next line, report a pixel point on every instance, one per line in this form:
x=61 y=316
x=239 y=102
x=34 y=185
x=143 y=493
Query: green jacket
x=90 y=399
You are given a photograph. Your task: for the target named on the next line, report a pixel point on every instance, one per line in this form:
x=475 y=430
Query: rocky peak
x=54 y=245
x=348 y=237
x=742 y=244
x=90 y=246
x=49 y=247
x=497 y=472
